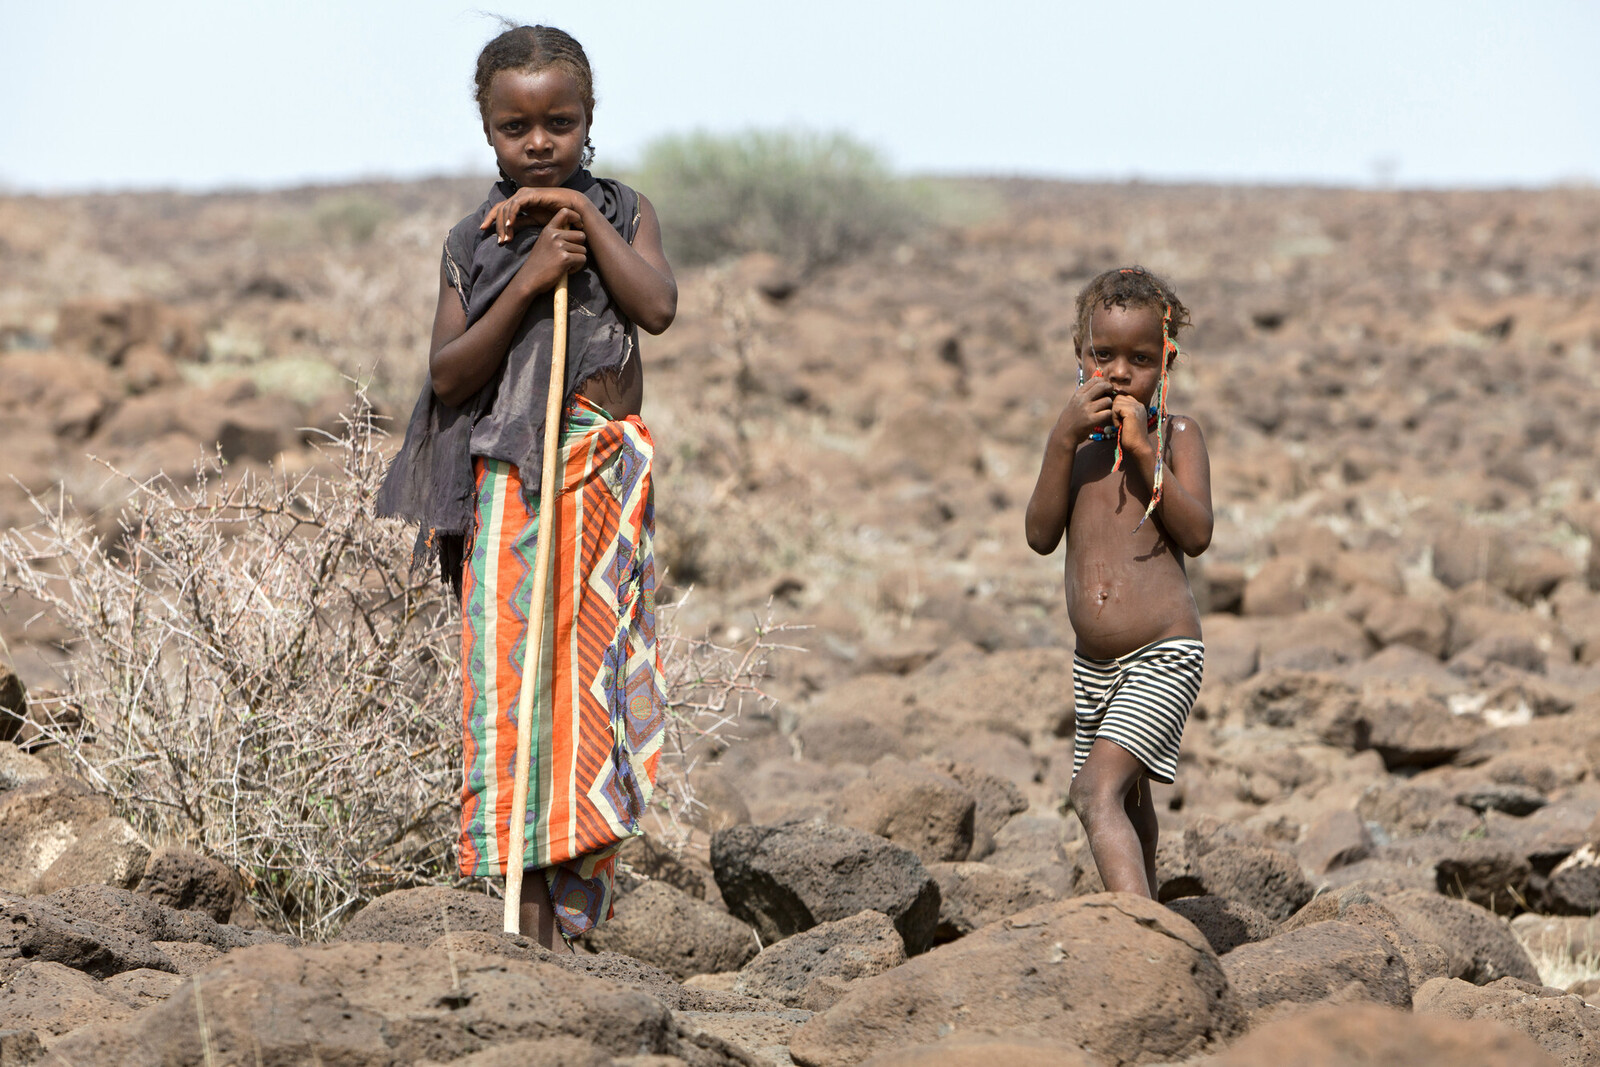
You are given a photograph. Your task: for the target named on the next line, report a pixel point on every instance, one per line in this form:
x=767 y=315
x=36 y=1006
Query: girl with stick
x=469 y=475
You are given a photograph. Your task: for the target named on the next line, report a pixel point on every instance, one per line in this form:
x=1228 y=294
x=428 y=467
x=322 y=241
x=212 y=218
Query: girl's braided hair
x=532 y=49
x=1126 y=287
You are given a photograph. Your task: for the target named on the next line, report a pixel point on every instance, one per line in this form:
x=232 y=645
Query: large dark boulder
x=787 y=878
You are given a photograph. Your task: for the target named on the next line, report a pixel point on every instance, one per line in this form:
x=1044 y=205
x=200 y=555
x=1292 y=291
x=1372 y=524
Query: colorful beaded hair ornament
x=1158 y=411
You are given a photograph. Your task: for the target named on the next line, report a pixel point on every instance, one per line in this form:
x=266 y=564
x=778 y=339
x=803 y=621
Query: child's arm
x=636 y=275
x=1185 y=507
x=462 y=359
x=1051 y=504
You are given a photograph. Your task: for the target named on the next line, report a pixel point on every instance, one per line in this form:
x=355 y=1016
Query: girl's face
x=1125 y=346
x=537 y=125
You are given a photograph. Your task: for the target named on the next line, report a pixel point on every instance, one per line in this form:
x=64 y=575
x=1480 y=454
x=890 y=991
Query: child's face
x=537 y=125
x=1125 y=347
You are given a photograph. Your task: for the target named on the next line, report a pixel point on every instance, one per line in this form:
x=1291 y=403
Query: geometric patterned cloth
x=599 y=697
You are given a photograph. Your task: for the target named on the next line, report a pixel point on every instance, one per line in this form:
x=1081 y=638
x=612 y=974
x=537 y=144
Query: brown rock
x=188 y=957
x=674 y=931
x=51 y=998
x=1219 y=588
x=718 y=803
x=975 y=894
x=13 y=705
x=549 y=1052
x=1264 y=878
x=1346 y=1035
x=37 y=930
x=1356 y=907
x=20 y=1048
x=419 y=916
x=1564 y=1026
x=1463 y=554
x=184 y=880
x=39 y=820
x=109 y=852
x=106 y=329
x=1334 y=839
x=130 y=913
x=981 y=1051
x=17 y=767
x=1406 y=621
x=1226 y=924
x=1324 y=961
x=1573 y=887
x=912 y=805
x=145 y=367
x=1313 y=641
x=374 y=1003
x=787 y=878
x=1118 y=976
x=846 y=949
x=1233 y=648
x=141 y=988
x=1405 y=724
x=996 y=800
x=1285 y=698
x=1282 y=585
x=1491 y=874
x=1480 y=946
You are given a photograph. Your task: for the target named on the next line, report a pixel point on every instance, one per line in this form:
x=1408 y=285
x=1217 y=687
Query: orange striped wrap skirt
x=599 y=707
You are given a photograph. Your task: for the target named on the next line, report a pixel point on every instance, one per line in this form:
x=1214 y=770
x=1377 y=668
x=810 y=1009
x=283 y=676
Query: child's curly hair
x=1127 y=287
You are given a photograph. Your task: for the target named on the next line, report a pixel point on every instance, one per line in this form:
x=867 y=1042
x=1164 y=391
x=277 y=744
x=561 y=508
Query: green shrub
x=810 y=198
x=352 y=216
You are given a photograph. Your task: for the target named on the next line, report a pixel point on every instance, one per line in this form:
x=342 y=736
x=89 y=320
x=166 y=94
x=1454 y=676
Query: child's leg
x=1100 y=796
x=538 y=914
x=1141 y=810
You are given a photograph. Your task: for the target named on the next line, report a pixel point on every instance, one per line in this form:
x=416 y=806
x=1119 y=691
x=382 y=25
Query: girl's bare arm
x=637 y=275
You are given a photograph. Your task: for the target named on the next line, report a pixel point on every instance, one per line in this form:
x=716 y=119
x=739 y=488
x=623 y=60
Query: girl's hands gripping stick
x=561 y=249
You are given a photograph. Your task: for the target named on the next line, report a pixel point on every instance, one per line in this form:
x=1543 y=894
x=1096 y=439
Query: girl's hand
x=561 y=249
x=532 y=207
x=1133 y=426
x=1087 y=411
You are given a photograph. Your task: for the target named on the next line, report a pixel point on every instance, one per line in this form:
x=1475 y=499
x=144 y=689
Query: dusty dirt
x=1402 y=699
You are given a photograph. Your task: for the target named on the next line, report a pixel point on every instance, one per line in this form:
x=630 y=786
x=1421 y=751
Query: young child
x=469 y=472
x=1130 y=486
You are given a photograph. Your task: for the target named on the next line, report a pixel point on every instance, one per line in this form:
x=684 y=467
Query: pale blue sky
x=199 y=94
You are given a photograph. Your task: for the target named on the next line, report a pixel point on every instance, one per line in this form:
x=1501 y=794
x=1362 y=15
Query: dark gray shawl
x=430 y=482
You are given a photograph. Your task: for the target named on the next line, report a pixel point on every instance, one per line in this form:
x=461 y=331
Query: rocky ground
x=1384 y=839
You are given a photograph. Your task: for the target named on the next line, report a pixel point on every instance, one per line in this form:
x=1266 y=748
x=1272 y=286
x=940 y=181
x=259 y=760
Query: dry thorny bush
x=257 y=672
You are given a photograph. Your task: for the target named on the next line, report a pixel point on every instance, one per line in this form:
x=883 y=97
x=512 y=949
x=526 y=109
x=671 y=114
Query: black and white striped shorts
x=1140 y=701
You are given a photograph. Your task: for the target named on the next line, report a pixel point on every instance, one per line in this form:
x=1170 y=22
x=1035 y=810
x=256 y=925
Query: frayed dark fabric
x=430 y=482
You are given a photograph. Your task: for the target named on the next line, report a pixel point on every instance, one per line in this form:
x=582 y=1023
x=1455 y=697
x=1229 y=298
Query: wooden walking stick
x=535 y=640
